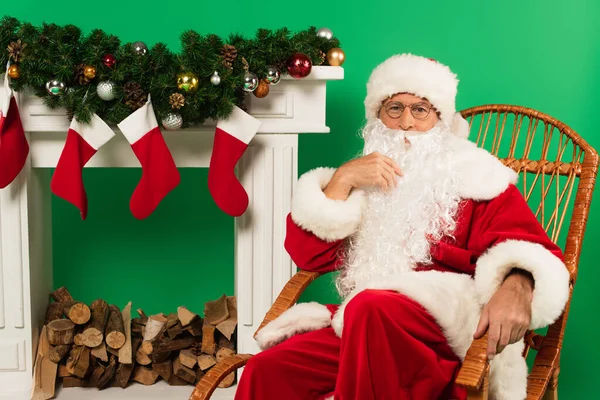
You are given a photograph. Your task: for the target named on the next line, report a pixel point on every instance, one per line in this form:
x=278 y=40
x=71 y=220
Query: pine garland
x=57 y=52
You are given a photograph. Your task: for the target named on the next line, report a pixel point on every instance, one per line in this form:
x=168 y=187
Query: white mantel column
x=268 y=172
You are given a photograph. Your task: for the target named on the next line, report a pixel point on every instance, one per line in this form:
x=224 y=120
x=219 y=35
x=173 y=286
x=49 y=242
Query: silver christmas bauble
x=215 y=79
x=106 y=90
x=273 y=75
x=172 y=121
x=250 y=81
x=140 y=48
x=325 y=33
x=55 y=87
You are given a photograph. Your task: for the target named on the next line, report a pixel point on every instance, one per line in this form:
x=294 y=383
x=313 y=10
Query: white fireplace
x=268 y=171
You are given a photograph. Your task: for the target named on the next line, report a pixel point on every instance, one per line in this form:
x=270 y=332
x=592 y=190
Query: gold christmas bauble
x=336 y=57
x=262 y=90
x=14 y=71
x=187 y=81
x=89 y=71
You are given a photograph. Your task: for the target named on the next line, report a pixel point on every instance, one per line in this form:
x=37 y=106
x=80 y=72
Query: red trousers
x=391 y=348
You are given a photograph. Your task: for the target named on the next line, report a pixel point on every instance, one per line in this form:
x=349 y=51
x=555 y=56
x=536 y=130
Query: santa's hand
x=507 y=315
x=372 y=170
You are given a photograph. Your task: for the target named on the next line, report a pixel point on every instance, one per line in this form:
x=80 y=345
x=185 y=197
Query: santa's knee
x=367 y=304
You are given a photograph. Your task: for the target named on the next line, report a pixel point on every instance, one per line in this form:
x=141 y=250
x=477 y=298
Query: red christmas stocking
x=159 y=172
x=14 y=148
x=232 y=136
x=83 y=141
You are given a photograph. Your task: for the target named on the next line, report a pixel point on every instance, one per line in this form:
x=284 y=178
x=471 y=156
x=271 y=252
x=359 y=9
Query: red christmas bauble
x=299 y=65
x=109 y=60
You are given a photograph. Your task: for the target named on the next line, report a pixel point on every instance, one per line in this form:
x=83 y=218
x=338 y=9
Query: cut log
x=208 y=338
x=77 y=311
x=96 y=375
x=172 y=319
x=78 y=363
x=160 y=357
x=124 y=371
x=142 y=358
x=225 y=350
x=227 y=381
x=123 y=375
x=125 y=352
x=60 y=331
x=114 y=352
x=62 y=371
x=216 y=311
x=154 y=327
x=175 y=330
x=73 y=381
x=78 y=340
x=142 y=315
x=183 y=372
x=100 y=352
x=57 y=353
x=187 y=358
x=206 y=361
x=223 y=342
x=93 y=332
x=115 y=329
x=164 y=344
x=61 y=295
x=195 y=328
x=228 y=326
x=145 y=376
x=177 y=381
x=108 y=374
x=54 y=311
x=44 y=371
x=185 y=316
x=164 y=369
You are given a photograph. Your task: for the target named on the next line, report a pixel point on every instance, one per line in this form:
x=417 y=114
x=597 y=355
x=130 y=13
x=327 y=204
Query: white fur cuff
x=303 y=317
x=328 y=219
x=551 y=277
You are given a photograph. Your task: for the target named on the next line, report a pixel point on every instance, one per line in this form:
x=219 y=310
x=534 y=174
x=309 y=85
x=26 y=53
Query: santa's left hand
x=507 y=315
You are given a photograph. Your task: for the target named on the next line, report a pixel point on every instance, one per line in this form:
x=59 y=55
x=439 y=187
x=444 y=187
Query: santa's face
x=408 y=112
x=398 y=226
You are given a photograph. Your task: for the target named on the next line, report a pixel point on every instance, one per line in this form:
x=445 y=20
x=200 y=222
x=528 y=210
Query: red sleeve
x=507 y=217
x=506 y=234
x=309 y=252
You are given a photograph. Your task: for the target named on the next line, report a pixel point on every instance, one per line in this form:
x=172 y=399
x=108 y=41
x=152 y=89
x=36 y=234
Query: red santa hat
x=421 y=76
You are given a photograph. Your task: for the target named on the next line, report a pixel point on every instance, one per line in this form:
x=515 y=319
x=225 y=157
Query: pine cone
x=134 y=95
x=177 y=100
x=229 y=54
x=70 y=114
x=321 y=58
x=80 y=76
x=16 y=49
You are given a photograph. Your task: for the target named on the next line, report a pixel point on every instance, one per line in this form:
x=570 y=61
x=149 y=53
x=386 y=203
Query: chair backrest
x=557 y=168
x=557 y=173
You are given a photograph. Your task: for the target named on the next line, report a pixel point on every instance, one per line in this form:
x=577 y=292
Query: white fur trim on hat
x=417 y=75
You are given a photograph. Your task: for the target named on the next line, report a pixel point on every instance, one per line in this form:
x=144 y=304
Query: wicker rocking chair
x=554 y=163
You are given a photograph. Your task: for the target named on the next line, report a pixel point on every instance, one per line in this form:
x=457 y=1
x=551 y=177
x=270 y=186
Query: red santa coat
x=496 y=232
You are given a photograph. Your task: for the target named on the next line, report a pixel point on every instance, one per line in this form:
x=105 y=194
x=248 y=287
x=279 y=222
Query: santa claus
x=434 y=246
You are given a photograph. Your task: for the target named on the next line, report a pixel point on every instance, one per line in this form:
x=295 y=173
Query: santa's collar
x=481 y=175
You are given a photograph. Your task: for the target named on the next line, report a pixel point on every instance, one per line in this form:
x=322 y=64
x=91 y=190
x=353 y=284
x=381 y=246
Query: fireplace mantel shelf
x=268 y=171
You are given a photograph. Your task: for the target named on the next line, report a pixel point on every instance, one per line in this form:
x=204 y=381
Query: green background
x=543 y=54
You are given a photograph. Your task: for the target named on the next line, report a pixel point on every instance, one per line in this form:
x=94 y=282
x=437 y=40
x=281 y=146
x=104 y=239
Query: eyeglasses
x=418 y=110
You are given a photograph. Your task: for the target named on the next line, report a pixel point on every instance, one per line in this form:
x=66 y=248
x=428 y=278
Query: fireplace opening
x=168 y=279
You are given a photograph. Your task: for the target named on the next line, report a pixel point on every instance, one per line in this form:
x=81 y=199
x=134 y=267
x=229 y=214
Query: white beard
x=399 y=226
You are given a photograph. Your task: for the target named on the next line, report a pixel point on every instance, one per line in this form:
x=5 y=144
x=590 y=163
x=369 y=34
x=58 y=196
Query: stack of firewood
x=101 y=345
